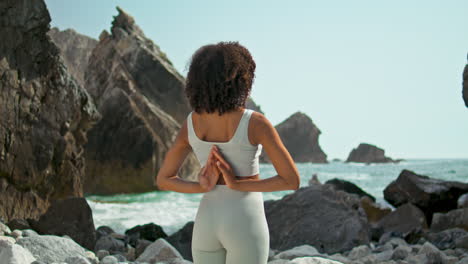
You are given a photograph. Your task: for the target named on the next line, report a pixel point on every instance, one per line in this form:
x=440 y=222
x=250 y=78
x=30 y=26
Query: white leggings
x=230 y=228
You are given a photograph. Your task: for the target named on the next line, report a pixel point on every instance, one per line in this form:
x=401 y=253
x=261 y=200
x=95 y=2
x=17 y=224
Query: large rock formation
x=300 y=136
x=75 y=49
x=44 y=115
x=430 y=195
x=367 y=153
x=330 y=220
x=465 y=85
x=142 y=101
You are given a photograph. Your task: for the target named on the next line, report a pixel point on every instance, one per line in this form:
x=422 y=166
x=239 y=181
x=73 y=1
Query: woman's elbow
x=296 y=184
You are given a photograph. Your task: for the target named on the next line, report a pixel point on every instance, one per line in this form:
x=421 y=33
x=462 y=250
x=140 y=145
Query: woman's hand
x=209 y=174
x=224 y=168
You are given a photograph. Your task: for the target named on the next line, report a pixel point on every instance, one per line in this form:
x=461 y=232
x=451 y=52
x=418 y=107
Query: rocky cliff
x=465 y=85
x=75 y=49
x=142 y=101
x=300 y=136
x=368 y=153
x=44 y=115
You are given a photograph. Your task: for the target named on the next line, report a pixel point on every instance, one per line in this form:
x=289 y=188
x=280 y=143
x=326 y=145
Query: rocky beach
x=84 y=117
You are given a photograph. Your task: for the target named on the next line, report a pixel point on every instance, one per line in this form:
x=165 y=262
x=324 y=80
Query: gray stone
x=463 y=201
x=462 y=242
x=299 y=251
x=77 y=260
x=7 y=240
x=4 y=229
x=49 y=248
x=29 y=232
x=330 y=220
x=110 y=244
x=109 y=260
x=368 y=153
x=406 y=219
x=384 y=255
x=15 y=254
x=16 y=233
x=401 y=252
x=314 y=260
x=451 y=219
x=160 y=250
x=359 y=252
x=102 y=253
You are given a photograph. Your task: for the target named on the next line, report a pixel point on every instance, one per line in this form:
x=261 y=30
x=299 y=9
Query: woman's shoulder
x=259 y=126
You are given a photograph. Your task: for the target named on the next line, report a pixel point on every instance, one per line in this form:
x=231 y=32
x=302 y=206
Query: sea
x=172 y=210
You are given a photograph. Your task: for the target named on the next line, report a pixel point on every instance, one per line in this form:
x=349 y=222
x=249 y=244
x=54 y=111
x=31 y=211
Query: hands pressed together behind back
x=215 y=167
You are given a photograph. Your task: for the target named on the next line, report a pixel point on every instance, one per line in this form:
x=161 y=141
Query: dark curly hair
x=220 y=77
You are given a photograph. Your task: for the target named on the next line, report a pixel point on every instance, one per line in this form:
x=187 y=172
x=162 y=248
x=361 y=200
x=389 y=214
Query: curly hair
x=220 y=77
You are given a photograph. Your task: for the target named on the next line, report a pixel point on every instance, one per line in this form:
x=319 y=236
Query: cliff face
x=300 y=136
x=142 y=101
x=75 y=49
x=465 y=85
x=44 y=115
x=367 y=153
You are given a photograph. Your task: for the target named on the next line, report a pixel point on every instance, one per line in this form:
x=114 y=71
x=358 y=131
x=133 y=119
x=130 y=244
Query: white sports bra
x=238 y=151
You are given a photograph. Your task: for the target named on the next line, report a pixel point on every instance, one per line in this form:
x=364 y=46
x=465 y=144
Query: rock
x=465 y=259
x=48 y=248
x=109 y=260
x=103 y=231
x=75 y=49
x=44 y=115
x=7 y=240
x=250 y=104
x=432 y=252
x=447 y=238
x=77 y=260
x=70 y=216
x=142 y=101
x=462 y=242
x=100 y=254
x=430 y=195
x=406 y=219
x=120 y=257
x=15 y=254
x=279 y=261
x=384 y=256
x=452 y=219
x=92 y=257
x=4 y=229
x=359 y=252
x=18 y=224
x=110 y=244
x=16 y=233
x=368 y=153
x=141 y=246
x=149 y=232
x=340 y=258
x=314 y=180
x=349 y=187
x=300 y=136
x=463 y=201
x=401 y=252
x=160 y=250
x=296 y=252
x=182 y=240
x=465 y=85
x=318 y=215
x=29 y=232
x=373 y=211
x=313 y=260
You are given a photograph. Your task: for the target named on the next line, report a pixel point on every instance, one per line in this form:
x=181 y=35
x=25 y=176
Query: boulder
x=110 y=244
x=373 y=210
x=430 y=195
x=182 y=240
x=160 y=250
x=318 y=215
x=103 y=231
x=463 y=201
x=406 y=219
x=149 y=231
x=142 y=101
x=48 y=248
x=18 y=224
x=348 y=187
x=452 y=219
x=446 y=239
x=72 y=217
x=368 y=153
x=45 y=115
x=250 y=104
x=75 y=49
x=15 y=254
x=465 y=85
x=300 y=137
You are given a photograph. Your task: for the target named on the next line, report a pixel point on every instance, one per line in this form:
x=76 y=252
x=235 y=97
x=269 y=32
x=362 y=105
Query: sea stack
x=45 y=114
x=300 y=136
x=368 y=153
x=465 y=85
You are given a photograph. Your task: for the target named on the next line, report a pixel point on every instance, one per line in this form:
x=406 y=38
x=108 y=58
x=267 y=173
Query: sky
x=388 y=73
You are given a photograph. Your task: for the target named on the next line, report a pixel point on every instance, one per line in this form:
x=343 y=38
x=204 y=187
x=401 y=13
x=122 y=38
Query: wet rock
x=110 y=244
x=405 y=220
x=452 y=219
x=149 y=231
x=182 y=240
x=349 y=187
x=368 y=153
x=463 y=201
x=430 y=195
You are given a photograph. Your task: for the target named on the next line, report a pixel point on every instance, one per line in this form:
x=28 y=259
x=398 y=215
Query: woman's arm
x=264 y=133
x=167 y=178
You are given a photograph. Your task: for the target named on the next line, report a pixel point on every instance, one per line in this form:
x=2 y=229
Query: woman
x=230 y=225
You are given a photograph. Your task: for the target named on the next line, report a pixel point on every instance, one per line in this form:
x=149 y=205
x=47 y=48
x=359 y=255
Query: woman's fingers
x=220 y=158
